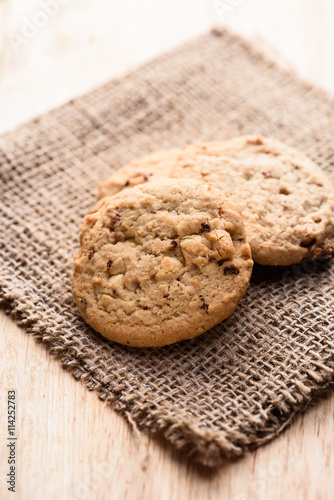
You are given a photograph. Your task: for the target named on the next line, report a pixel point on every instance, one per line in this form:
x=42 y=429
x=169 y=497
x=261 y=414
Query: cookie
x=147 y=168
x=286 y=200
x=161 y=262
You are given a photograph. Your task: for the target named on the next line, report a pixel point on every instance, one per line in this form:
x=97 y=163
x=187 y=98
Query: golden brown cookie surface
x=162 y=262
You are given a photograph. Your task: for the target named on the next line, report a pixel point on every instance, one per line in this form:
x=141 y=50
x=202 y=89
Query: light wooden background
x=71 y=446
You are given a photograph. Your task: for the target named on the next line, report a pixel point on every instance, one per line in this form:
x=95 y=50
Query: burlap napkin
x=240 y=384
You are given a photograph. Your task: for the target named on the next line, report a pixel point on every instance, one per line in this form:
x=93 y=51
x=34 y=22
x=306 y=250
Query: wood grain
x=72 y=446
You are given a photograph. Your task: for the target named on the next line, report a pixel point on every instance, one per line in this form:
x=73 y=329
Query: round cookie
x=162 y=262
x=286 y=200
x=147 y=168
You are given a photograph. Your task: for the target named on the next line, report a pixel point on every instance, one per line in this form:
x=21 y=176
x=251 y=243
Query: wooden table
x=70 y=445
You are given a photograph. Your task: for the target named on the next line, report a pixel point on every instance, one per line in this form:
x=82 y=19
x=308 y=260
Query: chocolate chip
x=284 y=190
x=114 y=220
x=173 y=243
x=145 y=308
x=256 y=141
x=308 y=243
x=231 y=270
x=84 y=303
x=205 y=226
x=90 y=255
x=204 y=305
x=220 y=262
x=109 y=264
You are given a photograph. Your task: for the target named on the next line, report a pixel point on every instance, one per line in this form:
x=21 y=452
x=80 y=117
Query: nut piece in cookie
x=162 y=262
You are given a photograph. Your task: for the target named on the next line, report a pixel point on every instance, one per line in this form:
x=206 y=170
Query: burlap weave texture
x=240 y=384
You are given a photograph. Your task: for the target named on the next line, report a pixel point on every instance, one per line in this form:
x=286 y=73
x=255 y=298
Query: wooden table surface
x=70 y=445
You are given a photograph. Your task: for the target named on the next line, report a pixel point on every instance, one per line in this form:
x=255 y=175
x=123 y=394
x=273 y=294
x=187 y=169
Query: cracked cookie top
x=162 y=262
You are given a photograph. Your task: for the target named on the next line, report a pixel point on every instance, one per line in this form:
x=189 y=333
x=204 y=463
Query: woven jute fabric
x=238 y=385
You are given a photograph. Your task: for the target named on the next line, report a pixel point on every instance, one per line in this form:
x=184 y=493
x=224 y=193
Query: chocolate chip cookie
x=287 y=201
x=162 y=262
